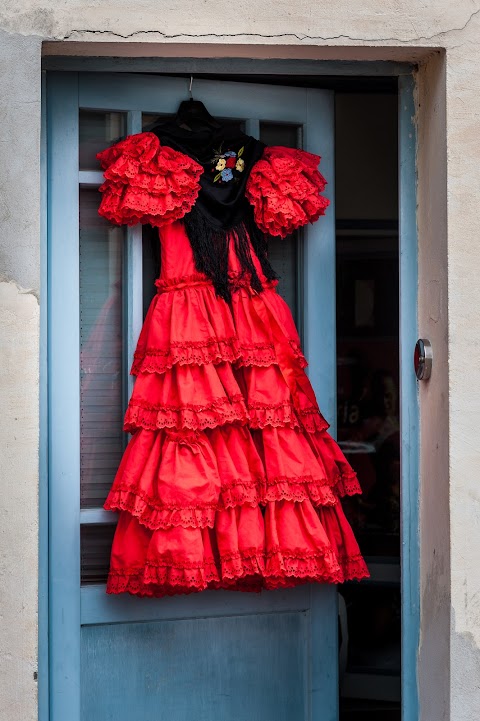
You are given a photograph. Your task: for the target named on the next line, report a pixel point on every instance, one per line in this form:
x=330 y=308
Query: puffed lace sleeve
x=285 y=189
x=146 y=182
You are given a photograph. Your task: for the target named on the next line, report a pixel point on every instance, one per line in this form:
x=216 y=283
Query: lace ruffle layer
x=284 y=189
x=247 y=550
x=188 y=325
x=146 y=182
x=183 y=478
x=197 y=397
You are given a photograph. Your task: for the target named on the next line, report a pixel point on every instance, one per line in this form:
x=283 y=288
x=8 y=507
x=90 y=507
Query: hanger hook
x=190 y=87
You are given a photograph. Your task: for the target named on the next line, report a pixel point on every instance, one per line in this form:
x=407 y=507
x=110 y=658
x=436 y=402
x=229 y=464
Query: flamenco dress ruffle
x=230 y=479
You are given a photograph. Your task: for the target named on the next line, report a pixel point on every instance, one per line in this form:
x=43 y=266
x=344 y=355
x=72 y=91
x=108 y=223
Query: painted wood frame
x=228 y=66
x=409 y=405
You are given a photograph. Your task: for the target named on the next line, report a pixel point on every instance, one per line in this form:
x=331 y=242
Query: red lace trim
x=284 y=189
x=220 y=412
x=154 y=515
x=173 y=578
x=184 y=575
x=215 y=414
x=247 y=571
x=353 y=568
x=318 y=492
x=238 y=565
x=133 y=583
x=286 y=569
x=277 y=416
x=211 y=350
x=312 y=421
x=166 y=580
x=316 y=566
x=264 y=354
x=348 y=485
x=263 y=491
x=146 y=182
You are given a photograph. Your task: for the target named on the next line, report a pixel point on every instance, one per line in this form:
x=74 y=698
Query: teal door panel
x=216 y=655
x=249 y=637
x=235 y=668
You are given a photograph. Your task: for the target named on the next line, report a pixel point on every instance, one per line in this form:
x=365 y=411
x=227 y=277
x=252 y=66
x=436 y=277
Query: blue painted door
x=215 y=655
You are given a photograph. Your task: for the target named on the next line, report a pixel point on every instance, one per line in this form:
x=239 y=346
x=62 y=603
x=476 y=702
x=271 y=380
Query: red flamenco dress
x=230 y=479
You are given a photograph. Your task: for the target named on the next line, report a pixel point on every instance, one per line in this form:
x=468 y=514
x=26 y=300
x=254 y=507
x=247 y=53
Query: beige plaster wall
x=19 y=375
x=463 y=118
x=336 y=23
x=449 y=184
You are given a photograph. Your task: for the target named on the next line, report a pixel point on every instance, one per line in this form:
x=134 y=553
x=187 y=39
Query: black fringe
x=210 y=246
x=259 y=243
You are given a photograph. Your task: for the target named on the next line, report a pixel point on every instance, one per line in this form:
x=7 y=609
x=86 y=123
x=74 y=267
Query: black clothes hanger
x=193 y=115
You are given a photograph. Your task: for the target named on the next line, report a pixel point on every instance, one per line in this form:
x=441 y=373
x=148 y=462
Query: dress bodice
x=177 y=260
x=225 y=201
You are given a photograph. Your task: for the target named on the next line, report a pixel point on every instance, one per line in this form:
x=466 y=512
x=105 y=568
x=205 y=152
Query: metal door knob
x=422 y=359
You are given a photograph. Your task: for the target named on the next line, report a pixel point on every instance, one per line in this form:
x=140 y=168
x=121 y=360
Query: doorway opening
x=367 y=344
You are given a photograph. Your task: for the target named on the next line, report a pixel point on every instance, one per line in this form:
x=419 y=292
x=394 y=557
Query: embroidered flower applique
x=228 y=164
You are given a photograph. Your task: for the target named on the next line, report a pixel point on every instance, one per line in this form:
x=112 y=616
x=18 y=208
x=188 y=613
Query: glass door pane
x=368 y=413
x=101 y=350
x=284 y=252
x=97 y=130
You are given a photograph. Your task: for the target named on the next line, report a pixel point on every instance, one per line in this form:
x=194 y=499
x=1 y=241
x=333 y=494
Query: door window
x=368 y=396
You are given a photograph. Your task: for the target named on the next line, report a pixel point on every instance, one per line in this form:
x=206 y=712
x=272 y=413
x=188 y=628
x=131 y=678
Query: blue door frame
x=409 y=416
x=409 y=403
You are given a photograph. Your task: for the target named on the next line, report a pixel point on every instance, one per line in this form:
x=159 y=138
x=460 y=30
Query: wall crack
x=301 y=37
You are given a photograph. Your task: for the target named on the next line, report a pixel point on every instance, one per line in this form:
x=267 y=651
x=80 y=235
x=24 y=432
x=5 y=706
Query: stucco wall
x=463 y=115
x=449 y=185
x=19 y=375
x=336 y=23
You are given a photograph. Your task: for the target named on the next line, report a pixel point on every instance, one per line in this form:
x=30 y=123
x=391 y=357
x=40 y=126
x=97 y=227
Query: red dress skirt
x=230 y=479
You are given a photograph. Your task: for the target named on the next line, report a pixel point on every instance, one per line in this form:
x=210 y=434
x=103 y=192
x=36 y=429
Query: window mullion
x=133 y=285
x=97 y=516
x=90 y=178
x=252 y=127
